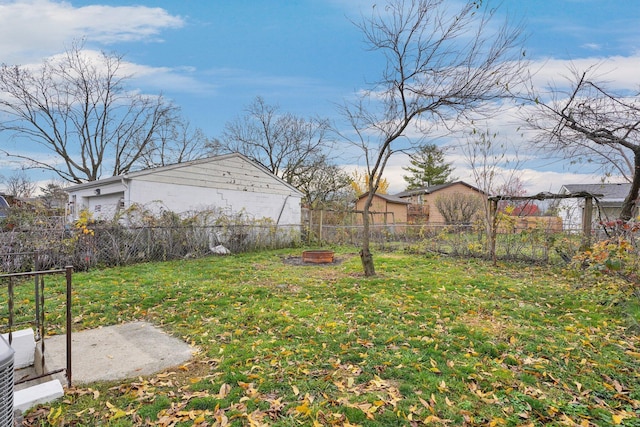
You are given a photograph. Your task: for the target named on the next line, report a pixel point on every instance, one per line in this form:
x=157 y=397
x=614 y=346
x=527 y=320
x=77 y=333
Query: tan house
x=422 y=201
x=385 y=209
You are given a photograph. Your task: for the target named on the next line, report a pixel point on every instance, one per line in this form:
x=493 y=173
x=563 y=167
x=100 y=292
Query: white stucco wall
x=181 y=199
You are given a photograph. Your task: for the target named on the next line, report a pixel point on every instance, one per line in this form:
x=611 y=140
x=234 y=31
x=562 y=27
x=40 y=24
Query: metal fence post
x=69 y=271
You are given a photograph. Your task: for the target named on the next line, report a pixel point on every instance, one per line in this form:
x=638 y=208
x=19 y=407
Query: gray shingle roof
x=610 y=192
x=432 y=189
x=387 y=197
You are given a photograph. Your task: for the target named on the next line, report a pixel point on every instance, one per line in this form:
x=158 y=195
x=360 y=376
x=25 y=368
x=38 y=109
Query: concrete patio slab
x=117 y=352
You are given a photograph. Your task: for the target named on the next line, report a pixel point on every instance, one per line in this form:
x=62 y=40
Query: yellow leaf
x=118 y=413
x=295 y=389
x=303 y=409
x=54 y=414
x=617 y=419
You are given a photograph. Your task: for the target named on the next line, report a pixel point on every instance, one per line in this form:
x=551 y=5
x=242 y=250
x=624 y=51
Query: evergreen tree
x=428 y=168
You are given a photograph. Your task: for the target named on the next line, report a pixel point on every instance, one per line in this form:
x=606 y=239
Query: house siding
x=428 y=200
x=383 y=211
x=230 y=174
x=611 y=198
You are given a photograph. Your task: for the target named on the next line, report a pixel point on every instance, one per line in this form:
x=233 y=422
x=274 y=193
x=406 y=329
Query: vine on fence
x=133 y=235
x=617 y=255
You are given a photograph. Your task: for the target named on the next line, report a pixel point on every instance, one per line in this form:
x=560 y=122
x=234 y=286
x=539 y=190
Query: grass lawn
x=429 y=341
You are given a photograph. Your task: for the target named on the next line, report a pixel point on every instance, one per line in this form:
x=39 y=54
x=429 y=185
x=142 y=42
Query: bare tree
x=287 y=145
x=459 y=208
x=441 y=68
x=322 y=186
x=19 y=185
x=514 y=187
x=53 y=195
x=588 y=121
x=77 y=107
x=176 y=142
x=493 y=169
x=494 y=166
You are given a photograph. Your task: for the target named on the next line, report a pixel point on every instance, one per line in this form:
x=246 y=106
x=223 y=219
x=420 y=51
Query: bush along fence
x=465 y=240
x=540 y=239
x=35 y=243
x=88 y=243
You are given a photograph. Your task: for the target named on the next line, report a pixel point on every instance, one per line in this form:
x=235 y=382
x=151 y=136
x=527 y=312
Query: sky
x=213 y=57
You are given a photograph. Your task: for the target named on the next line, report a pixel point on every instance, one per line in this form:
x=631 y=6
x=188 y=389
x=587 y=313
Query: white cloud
x=621 y=72
x=592 y=46
x=31 y=29
x=534 y=181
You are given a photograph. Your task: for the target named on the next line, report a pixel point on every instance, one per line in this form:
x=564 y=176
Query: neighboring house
x=607 y=206
x=422 y=201
x=385 y=209
x=231 y=184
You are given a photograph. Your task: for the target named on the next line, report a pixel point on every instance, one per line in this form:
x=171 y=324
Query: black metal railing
x=13 y=280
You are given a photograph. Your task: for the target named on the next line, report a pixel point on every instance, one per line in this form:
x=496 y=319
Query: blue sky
x=213 y=57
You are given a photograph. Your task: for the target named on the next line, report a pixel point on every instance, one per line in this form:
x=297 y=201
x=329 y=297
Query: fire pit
x=318 y=256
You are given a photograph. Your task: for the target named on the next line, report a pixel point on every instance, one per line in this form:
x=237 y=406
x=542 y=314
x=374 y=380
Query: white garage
x=231 y=184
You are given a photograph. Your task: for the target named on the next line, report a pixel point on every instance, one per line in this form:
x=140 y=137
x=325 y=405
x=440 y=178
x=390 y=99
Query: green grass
x=429 y=341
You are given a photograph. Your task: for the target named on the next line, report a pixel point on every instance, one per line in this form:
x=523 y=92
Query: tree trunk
x=365 y=254
x=629 y=204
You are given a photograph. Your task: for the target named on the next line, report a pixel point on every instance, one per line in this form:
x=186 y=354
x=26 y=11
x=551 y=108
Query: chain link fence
x=26 y=249
x=50 y=242
x=539 y=245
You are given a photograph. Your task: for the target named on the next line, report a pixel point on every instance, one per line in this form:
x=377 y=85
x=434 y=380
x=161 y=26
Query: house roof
x=389 y=198
x=144 y=172
x=609 y=192
x=432 y=189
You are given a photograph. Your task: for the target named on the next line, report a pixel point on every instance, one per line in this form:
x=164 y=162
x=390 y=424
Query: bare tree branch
x=441 y=68
x=287 y=145
x=591 y=121
x=77 y=107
